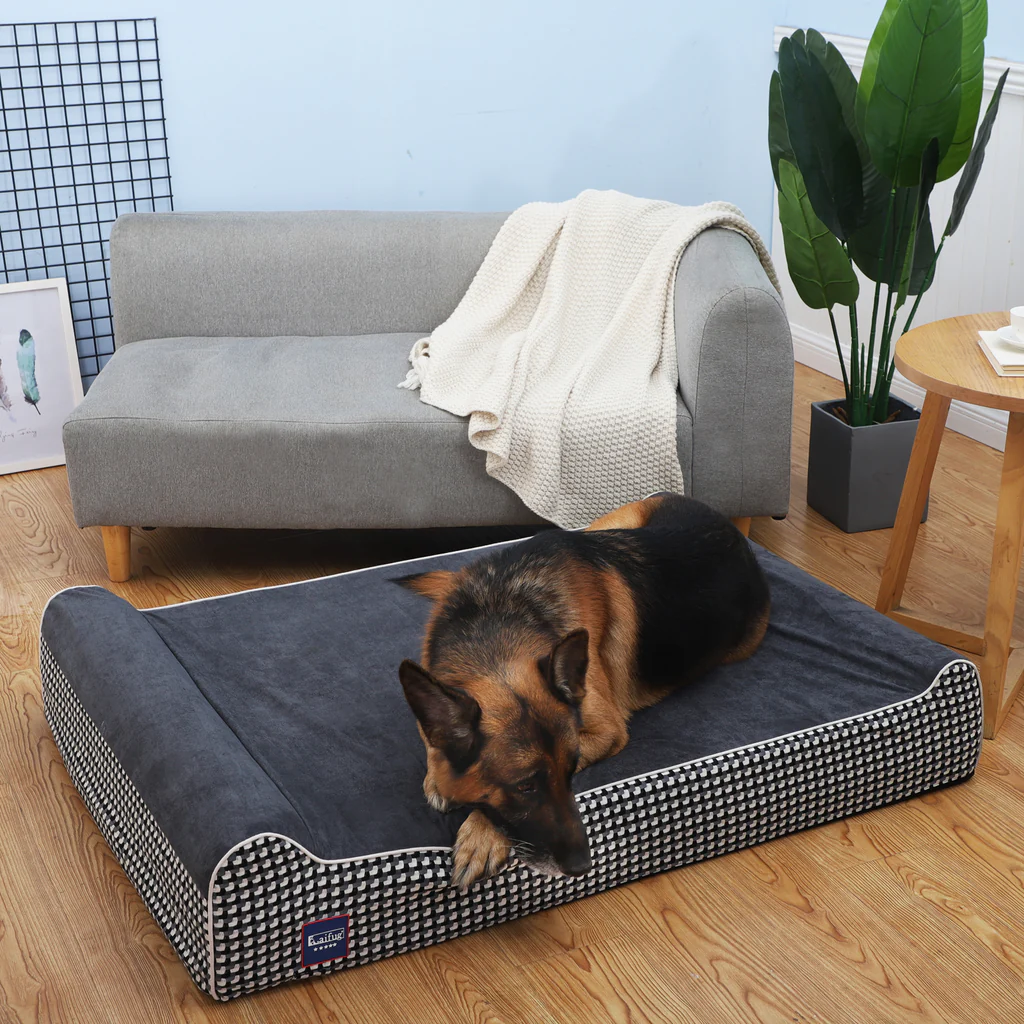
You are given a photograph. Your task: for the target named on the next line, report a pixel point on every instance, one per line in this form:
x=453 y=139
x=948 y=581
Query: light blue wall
x=460 y=104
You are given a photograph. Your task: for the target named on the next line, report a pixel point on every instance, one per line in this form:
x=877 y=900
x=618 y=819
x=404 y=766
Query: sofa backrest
x=316 y=273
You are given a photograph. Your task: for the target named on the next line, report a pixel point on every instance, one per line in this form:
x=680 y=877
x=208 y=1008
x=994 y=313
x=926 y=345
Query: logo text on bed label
x=324 y=940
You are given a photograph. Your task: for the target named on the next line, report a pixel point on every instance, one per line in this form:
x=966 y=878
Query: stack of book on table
x=1006 y=356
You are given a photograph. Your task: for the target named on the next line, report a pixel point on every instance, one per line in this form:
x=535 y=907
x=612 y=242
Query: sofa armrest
x=735 y=353
x=306 y=274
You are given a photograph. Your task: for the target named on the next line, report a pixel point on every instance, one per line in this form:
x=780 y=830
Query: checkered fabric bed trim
x=148 y=859
x=247 y=935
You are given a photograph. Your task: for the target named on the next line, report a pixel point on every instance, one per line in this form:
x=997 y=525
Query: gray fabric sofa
x=254 y=382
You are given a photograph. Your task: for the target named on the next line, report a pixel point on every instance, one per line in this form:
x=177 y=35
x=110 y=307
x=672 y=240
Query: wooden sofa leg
x=742 y=523
x=117 y=544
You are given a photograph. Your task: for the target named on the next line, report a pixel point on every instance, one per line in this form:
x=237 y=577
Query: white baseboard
x=985 y=425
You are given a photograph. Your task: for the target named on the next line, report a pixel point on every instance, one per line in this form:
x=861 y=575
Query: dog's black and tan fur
x=536 y=656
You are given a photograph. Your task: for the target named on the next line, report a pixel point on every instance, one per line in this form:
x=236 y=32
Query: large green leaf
x=820 y=269
x=778 y=131
x=924 y=254
x=867 y=73
x=929 y=174
x=929 y=169
x=908 y=262
x=874 y=188
x=842 y=78
x=969 y=178
x=826 y=153
x=865 y=245
x=916 y=93
x=972 y=76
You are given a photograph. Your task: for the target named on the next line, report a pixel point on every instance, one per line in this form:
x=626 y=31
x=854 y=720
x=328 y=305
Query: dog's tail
x=434 y=585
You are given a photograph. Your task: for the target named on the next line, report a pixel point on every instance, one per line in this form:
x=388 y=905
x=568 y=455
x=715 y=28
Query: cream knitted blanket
x=562 y=351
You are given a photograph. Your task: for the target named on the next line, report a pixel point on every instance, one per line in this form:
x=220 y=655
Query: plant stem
x=854 y=390
x=892 y=325
x=856 y=363
x=924 y=286
x=885 y=376
x=842 y=361
x=878 y=290
x=852 y=397
x=863 y=389
x=880 y=397
x=883 y=361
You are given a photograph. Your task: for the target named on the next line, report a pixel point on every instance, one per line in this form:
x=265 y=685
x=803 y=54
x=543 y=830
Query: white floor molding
x=985 y=425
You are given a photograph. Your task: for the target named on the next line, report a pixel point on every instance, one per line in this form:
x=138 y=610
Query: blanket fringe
x=418 y=358
x=412 y=380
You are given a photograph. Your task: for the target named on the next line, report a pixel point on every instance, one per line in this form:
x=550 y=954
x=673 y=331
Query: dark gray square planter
x=855 y=474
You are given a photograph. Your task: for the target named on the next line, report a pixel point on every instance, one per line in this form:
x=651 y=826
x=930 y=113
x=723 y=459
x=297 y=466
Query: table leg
x=915 y=494
x=1006 y=561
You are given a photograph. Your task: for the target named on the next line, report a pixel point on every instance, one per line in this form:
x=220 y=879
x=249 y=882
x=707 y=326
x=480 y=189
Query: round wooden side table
x=944 y=358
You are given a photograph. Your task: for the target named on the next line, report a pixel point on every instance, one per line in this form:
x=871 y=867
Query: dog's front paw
x=434 y=797
x=481 y=850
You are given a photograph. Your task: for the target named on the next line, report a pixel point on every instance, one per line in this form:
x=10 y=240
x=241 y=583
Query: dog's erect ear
x=434 y=585
x=566 y=667
x=450 y=717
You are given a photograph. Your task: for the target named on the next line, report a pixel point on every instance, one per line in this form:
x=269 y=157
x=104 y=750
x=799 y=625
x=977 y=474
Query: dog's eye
x=527 y=786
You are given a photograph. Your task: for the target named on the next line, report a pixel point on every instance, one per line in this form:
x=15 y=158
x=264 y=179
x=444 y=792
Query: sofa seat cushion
x=253 y=764
x=278 y=432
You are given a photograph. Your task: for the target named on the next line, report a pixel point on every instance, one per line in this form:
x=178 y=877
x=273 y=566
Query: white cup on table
x=1017 y=323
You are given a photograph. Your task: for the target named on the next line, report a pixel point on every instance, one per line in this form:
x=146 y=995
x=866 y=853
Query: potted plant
x=855 y=164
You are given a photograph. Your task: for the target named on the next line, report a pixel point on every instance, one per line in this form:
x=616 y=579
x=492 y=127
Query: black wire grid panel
x=82 y=140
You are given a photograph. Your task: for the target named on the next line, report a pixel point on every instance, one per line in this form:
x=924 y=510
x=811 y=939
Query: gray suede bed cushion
x=279 y=710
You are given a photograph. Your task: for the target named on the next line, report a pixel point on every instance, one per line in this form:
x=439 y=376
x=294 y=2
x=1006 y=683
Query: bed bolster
x=109 y=648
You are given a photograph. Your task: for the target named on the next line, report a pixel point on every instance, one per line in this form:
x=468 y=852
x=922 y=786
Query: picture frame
x=40 y=380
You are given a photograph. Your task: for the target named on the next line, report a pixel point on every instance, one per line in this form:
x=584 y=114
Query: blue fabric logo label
x=324 y=940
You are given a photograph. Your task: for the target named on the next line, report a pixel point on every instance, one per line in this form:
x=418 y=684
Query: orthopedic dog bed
x=252 y=763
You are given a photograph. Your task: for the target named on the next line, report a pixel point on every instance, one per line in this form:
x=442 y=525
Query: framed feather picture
x=40 y=381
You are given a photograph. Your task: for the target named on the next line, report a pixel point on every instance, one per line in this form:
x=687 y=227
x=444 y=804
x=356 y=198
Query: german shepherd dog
x=535 y=657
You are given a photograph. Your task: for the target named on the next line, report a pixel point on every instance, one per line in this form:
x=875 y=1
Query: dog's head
x=502 y=736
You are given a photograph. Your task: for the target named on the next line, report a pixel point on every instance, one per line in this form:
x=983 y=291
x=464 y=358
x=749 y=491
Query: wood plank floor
x=910 y=913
